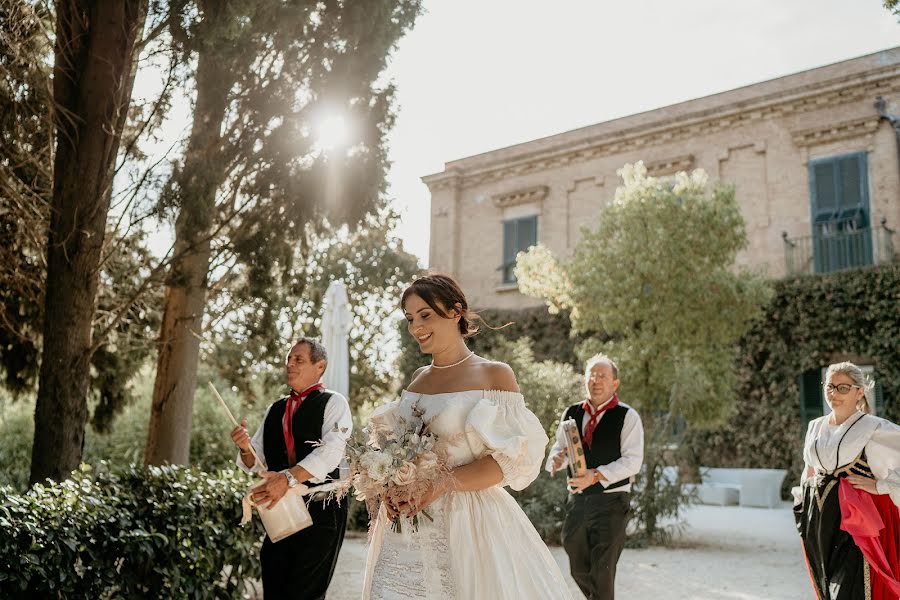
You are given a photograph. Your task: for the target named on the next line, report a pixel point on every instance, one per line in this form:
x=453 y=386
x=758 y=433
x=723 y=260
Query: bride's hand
x=410 y=509
x=392 y=512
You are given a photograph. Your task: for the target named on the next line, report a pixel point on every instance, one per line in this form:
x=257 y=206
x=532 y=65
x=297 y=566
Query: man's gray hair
x=317 y=351
x=600 y=359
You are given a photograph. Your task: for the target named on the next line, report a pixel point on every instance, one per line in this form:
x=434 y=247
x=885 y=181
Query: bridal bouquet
x=397 y=465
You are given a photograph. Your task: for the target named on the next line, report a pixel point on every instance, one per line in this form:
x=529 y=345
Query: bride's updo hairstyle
x=436 y=288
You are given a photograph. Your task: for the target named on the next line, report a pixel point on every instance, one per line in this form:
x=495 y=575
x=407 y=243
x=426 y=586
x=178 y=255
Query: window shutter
x=527 y=234
x=509 y=250
x=851 y=197
x=811 y=398
x=824 y=190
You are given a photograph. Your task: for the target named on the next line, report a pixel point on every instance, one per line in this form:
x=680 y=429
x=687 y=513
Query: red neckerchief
x=287 y=422
x=595 y=416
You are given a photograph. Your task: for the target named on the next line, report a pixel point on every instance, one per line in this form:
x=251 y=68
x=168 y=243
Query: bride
x=479 y=544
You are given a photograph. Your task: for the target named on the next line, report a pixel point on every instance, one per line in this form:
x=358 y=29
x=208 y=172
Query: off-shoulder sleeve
x=383 y=419
x=512 y=435
x=883 y=456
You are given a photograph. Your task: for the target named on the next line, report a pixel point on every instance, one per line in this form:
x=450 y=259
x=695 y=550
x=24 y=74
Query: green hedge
x=811 y=322
x=137 y=533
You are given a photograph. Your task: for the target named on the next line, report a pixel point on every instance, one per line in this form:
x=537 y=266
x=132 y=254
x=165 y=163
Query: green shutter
x=509 y=250
x=851 y=196
x=527 y=234
x=824 y=190
x=518 y=235
x=839 y=201
x=810 y=396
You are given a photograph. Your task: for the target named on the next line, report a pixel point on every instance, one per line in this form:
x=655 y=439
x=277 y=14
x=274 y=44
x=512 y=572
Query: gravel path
x=724 y=553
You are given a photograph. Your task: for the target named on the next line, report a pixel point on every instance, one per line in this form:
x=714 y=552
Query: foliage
x=25 y=186
x=811 y=322
x=656 y=276
x=372 y=264
x=657 y=495
x=893 y=6
x=256 y=180
x=123 y=444
x=130 y=533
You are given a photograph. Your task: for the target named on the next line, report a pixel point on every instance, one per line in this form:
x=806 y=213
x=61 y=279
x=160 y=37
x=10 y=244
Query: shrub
x=811 y=322
x=134 y=533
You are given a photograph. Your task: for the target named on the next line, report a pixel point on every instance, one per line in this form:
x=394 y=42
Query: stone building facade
x=815 y=164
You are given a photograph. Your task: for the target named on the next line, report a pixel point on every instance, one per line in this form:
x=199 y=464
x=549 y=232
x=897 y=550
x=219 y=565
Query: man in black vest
x=599 y=505
x=302 y=439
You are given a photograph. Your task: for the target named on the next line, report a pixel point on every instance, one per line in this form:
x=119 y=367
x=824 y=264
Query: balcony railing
x=839 y=249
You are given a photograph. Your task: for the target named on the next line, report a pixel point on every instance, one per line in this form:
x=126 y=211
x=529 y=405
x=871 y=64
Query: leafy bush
x=811 y=322
x=123 y=444
x=134 y=533
x=16 y=435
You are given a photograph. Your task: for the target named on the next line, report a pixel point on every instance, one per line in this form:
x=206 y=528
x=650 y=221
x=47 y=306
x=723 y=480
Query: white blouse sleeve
x=337 y=425
x=512 y=435
x=883 y=456
x=797 y=490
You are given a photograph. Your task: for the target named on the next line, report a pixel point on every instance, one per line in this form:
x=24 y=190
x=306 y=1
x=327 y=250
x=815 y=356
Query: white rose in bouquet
x=377 y=465
x=404 y=475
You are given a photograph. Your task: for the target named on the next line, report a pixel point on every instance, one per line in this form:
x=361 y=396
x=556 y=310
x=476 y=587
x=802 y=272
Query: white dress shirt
x=337 y=425
x=632 y=449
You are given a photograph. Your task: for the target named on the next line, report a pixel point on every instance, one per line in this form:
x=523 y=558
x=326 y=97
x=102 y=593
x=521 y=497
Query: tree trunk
x=94 y=56
x=169 y=434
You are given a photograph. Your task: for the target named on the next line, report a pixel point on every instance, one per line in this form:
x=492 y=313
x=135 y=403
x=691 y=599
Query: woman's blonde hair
x=866 y=382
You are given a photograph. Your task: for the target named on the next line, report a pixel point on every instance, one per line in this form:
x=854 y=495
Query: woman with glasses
x=847 y=507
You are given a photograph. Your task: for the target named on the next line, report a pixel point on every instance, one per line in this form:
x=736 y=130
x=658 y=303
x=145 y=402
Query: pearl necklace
x=468 y=356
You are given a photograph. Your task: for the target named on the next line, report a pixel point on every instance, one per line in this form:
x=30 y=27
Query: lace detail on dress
x=415 y=564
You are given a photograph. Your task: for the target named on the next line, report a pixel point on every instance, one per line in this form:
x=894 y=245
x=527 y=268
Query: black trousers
x=300 y=567
x=594 y=536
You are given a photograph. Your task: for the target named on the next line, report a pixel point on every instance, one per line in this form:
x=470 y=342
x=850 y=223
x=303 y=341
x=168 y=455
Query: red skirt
x=874 y=523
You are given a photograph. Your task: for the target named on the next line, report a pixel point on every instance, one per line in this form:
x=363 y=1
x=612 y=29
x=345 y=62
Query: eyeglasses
x=841 y=388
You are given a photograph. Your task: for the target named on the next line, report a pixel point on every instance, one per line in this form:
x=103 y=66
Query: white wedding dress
x=480 y=544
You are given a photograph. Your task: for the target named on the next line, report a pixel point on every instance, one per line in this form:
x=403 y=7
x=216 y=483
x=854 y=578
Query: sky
x=476 y=76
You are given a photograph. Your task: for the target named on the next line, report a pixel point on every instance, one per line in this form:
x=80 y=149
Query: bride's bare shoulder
x=498 y=376
x=415 y=376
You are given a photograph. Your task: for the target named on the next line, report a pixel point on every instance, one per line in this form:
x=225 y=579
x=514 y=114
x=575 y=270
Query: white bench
x=747 y=487
x=719 y=486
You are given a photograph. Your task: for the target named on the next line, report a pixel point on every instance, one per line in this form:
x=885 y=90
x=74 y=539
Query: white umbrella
x=336 y=322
